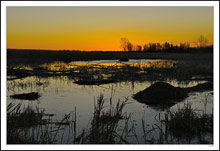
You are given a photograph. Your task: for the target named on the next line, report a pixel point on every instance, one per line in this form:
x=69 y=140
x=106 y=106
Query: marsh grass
x=18 y=116
x=20 y=84
x=194 y=69
x=104 y=124
x=19 y=119
x=101 y=74
x=183 y=126
x=187 y=122
x=109 y=125
x=29 y=125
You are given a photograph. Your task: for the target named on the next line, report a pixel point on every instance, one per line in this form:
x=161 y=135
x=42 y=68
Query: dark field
x=28 y=57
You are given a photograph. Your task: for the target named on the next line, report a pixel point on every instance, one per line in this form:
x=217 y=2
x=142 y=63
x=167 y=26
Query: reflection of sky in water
x=61 y=96
x=105 y=64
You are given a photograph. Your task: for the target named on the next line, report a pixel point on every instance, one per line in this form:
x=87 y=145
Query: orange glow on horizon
x=100 y=28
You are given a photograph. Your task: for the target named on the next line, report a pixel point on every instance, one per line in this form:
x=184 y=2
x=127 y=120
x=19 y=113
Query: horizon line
x=80 y=50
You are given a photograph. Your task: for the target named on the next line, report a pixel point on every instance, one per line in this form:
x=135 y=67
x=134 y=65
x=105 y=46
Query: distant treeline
x=202 y=46
x=167 y=47
x=153 y=48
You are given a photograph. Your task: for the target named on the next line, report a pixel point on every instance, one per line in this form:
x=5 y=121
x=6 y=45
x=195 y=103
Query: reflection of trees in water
x=29 y=83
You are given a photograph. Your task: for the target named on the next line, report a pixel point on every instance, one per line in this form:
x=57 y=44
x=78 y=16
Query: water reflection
x=100 y=65
x=97 y=70
x=21 y=67
x=61 y=96
x=27 y=85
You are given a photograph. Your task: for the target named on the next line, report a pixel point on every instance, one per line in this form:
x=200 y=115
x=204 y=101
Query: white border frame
x=4 y=4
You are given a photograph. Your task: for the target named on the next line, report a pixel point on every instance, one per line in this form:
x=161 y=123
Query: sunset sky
x=100 y=28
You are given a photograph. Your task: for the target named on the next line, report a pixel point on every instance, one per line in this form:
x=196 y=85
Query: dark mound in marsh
x=162 y=93
x=123 y=59
x=26 y=96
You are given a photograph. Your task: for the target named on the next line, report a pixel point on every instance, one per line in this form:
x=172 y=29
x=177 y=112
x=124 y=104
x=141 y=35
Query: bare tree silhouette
x=124 y=44
x=202 y=41
x=129 y=46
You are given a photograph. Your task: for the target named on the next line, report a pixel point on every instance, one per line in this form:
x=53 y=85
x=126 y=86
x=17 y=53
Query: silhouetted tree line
x=202 y=46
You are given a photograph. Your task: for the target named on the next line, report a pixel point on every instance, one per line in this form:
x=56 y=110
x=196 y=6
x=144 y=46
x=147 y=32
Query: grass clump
x=19 y=120
x=104 y=123
x=187 y=122
x=183 y=126
x=28 y=116
x=28 y=125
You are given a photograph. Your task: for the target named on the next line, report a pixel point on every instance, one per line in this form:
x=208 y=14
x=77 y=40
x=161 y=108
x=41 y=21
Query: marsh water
x=60 y=95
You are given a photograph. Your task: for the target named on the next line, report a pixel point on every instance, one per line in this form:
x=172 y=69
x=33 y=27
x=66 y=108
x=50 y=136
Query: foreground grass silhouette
x=182 y=124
